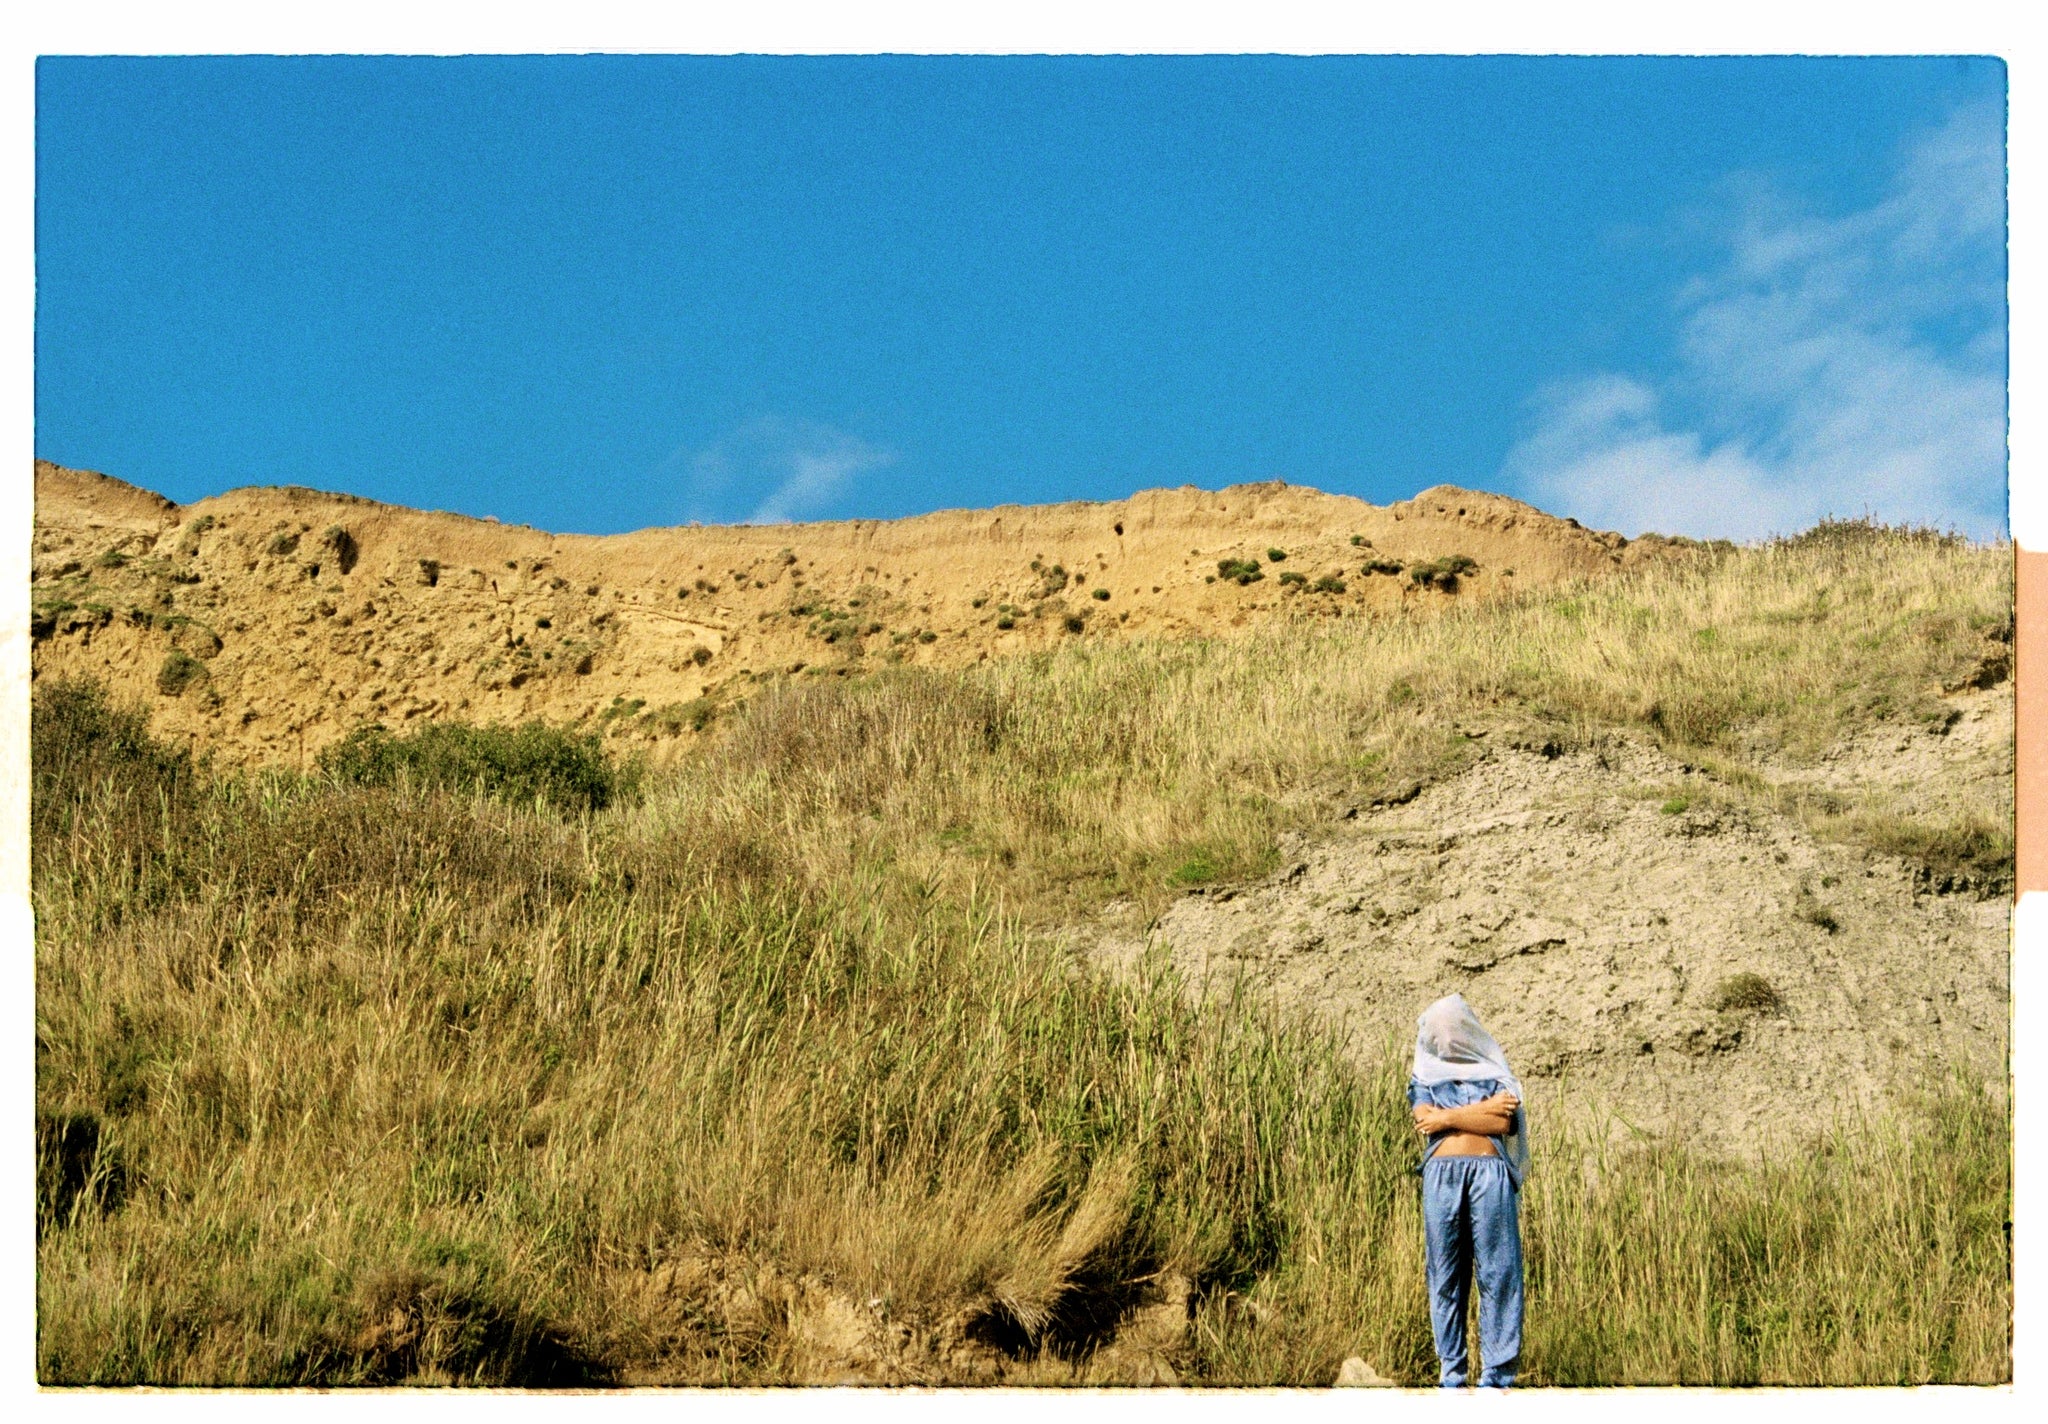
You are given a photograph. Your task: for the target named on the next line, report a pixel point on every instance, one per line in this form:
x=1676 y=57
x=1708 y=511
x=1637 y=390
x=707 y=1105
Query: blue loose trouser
x=1470 y=1227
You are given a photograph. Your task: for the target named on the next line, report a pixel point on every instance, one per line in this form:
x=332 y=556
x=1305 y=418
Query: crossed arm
x=1489 y=1117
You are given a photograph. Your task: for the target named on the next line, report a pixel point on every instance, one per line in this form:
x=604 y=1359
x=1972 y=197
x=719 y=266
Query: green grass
x=417 y=1069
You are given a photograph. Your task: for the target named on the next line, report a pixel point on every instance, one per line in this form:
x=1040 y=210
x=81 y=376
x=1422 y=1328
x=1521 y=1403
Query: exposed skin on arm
x=1489 y=1117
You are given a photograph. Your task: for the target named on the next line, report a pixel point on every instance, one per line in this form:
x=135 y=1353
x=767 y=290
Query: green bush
x=1329 y=583
x=179 y=671
x=1243 y=571
x=533 y=762
x=1101 y=595
x=83 y=748
x=1443 y=573
x=1290 y=579
x=1276 y=556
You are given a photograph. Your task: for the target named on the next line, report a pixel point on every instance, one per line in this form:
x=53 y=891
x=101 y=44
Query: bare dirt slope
x=265 y=623
x=1699 y=965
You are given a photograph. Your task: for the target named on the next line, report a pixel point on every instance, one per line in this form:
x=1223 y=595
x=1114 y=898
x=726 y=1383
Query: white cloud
x=1842 y=365
x=784 y=469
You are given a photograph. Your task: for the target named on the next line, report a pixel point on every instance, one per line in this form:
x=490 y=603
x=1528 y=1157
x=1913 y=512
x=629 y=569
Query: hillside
x=266 y=623
x=1033 y=1018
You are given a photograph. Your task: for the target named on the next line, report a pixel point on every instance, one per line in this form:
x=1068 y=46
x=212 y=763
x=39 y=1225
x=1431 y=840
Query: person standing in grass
x=1468 y=1104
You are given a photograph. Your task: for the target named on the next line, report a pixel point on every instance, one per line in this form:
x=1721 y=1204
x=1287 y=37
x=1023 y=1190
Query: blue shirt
x=1458 y=1095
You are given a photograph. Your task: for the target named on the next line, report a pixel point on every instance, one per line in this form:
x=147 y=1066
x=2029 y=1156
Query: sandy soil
x=1597 y=926
x=315 y=613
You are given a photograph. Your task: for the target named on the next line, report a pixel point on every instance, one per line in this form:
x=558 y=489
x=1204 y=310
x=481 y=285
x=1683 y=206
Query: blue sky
x=1716 y=297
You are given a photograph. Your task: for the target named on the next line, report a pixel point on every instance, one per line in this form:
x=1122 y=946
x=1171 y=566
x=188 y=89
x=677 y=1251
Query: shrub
x=1442 y=573
x=1241 y=571
x=112 y=559
x=1745 y=992
x=1849 y=535
x=927 y=636
x=1676 y=806
x=1330 y=583
x=75 y=733
x=179 y=671
x=533 y=762
x=1383 y=566
x=1276 y=556
x=1359 y=541
x=1074 y=623
x=1101 y=595
x=282 y=543
x=1290 y=579
x=1006 y=622
x=1195 y=870
x=700 y=655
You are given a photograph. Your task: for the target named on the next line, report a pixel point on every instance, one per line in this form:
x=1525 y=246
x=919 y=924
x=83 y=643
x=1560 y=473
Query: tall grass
x=347 y=1083
x=1098 y=769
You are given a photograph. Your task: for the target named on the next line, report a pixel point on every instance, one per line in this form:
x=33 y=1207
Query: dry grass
x=1100 y=769
x=346 y=1083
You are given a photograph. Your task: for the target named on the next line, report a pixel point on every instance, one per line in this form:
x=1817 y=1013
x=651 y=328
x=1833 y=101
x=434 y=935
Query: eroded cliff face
x=1659 y=965
x=266 y=623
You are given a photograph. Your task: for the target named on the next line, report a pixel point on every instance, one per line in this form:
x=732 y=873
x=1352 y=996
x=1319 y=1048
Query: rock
x=1355 y=1373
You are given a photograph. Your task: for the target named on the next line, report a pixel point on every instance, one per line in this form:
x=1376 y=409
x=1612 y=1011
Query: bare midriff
x=1465 y=1144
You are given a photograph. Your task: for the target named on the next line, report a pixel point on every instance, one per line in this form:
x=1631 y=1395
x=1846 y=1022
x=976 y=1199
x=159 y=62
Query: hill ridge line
x=266 y=622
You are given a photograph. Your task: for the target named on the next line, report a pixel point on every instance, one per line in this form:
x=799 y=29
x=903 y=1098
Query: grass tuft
x=1745 y=992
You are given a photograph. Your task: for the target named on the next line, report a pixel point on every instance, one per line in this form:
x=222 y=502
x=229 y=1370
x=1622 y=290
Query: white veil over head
x=1452 y=1046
